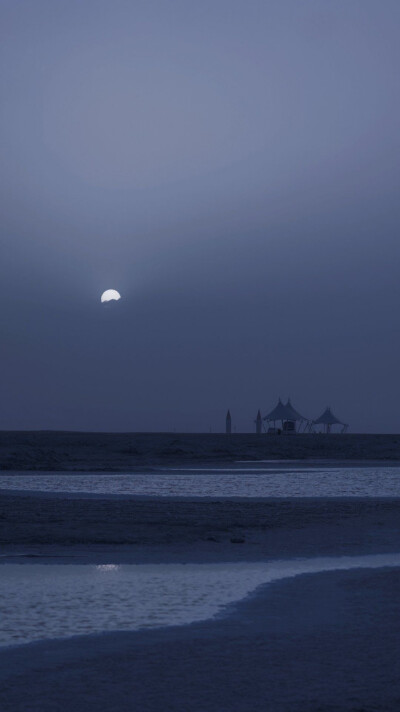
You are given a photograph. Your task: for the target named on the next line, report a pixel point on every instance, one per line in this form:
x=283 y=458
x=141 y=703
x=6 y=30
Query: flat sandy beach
x=316 y=642
x=141 y=529
x=326 y=641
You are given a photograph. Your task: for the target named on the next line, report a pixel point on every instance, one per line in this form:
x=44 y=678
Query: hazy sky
x=232 y=168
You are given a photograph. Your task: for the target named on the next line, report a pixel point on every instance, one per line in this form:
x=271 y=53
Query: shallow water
x=40 y=601
x=235 y=481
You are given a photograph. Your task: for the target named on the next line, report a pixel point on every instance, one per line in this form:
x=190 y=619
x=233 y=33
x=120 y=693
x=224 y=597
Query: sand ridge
x=158 y=529
x=124 y=452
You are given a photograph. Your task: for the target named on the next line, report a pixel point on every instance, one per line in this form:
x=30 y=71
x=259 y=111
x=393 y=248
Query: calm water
x=238 y=481
x=58 y=601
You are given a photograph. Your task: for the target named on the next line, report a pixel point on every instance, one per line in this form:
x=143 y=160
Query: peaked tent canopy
x=284 y=412
x=295 y=414
x=327 y=418
x=280 y=412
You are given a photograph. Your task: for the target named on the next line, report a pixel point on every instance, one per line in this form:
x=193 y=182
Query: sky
x=231 y=168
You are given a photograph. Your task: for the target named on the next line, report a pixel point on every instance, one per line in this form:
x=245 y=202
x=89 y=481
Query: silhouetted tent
x=295 y=414
x=328 y=419
x=286 y=415
x=278 y=413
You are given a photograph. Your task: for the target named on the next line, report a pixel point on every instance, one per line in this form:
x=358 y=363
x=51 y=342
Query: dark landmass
x=71 y=451
x=161 y=529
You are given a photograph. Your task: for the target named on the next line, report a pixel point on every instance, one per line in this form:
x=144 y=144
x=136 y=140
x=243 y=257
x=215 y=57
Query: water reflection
x=309 y=481
x=51 y=601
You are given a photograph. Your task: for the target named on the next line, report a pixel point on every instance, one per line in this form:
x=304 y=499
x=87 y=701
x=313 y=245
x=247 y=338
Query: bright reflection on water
x=56 y=601
x=310 y=481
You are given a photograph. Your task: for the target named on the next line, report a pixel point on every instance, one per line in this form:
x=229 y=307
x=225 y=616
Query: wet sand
x=323 y=642
x=318 y=642
x=173 y=529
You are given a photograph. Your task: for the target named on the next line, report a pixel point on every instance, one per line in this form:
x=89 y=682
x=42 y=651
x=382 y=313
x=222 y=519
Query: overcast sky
x=232 y=168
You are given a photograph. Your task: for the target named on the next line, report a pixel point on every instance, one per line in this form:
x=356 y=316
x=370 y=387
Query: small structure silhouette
x=328 y=420
x=258 y=422
x=289 y=418
x=228 y=423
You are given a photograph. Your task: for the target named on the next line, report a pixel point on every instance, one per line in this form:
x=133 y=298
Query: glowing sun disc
x=110 y=295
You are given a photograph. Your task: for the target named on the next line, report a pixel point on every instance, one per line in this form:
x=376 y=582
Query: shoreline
x=317 y=641
x=250 y=578
x=247 y=657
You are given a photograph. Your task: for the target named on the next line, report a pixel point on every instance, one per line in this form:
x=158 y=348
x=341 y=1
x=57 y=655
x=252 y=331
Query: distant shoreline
x=117 y=452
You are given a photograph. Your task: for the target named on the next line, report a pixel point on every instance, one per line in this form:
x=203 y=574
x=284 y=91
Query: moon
x=110 y=295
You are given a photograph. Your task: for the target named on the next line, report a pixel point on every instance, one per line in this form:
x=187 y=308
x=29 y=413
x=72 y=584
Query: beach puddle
x=39 y=601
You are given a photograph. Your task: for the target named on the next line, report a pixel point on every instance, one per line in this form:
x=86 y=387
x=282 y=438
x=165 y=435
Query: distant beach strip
x=127 y=452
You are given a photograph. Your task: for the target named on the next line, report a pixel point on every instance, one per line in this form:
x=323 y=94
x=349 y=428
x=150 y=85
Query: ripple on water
x=56 y=601
x=224 y=482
